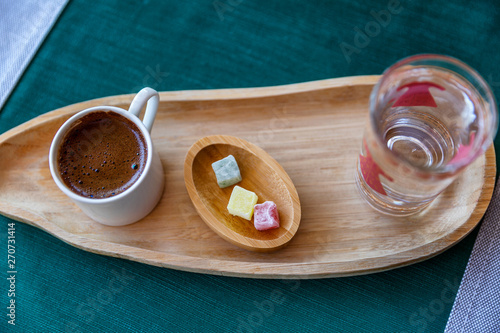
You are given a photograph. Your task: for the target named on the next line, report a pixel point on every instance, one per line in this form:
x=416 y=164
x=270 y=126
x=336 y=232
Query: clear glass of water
x=430 y=117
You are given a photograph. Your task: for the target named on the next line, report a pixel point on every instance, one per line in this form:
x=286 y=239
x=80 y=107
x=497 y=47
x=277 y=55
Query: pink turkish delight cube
x=266 y=216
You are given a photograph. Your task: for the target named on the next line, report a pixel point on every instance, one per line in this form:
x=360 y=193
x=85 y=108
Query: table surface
x=117 y=47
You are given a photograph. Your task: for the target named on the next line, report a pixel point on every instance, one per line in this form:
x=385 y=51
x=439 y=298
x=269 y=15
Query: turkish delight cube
x=266 y=216
x=227 y=171
x=241 y=203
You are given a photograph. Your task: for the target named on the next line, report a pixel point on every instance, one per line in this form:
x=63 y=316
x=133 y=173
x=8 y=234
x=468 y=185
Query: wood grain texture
x=313 y=130
x=260 y=174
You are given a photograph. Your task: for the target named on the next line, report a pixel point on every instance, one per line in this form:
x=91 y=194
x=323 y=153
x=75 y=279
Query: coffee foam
x=102 y=155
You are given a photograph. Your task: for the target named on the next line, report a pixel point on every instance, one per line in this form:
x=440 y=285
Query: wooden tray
x=312 y=129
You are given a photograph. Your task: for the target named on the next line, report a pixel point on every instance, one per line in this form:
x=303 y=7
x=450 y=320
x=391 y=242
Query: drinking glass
x=430 y=117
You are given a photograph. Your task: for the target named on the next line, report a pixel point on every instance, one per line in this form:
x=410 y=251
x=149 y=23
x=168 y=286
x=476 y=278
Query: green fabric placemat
x=116 y=47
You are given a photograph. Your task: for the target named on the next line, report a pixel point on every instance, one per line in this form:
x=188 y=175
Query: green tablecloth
x=106 y=48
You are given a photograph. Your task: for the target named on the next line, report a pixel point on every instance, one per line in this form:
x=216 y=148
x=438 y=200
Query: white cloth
x=477 y=305
x=23 y=26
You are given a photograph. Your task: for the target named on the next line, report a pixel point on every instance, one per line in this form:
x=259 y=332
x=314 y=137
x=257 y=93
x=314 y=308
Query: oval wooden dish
x=313 y=130
x=260 y=173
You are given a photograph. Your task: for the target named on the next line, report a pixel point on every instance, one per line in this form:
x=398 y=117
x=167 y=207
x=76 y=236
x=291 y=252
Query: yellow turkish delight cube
x=242 y=202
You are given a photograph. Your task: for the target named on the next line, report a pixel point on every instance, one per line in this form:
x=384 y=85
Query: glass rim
x=490 y=131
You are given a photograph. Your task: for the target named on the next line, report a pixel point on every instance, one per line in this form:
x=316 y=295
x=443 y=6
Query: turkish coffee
x=102 y=155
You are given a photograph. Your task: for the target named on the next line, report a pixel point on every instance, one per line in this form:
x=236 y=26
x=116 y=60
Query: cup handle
x=151 y=97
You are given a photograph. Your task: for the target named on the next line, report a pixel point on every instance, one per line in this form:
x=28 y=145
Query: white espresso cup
x=138 y=200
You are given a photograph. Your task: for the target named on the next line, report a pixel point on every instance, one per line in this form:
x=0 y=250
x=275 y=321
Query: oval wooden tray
x=312 y=129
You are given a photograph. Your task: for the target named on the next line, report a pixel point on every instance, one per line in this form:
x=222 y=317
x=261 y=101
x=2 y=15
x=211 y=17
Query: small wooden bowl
x=260 y=174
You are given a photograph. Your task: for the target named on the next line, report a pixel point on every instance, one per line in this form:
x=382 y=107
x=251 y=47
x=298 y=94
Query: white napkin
x=477 y=305
x=23 y=26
